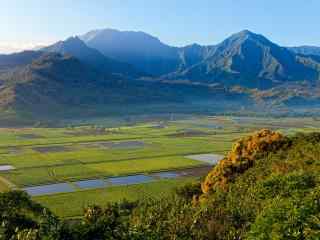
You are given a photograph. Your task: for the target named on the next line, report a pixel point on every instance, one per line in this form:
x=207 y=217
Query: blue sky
x=176 y=22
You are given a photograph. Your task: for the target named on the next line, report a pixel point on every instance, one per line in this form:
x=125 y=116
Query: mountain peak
x=76 y=47
x=118 y=36
x=247 y=34
x=140 y=49
x=74 y=39
x=70 y=45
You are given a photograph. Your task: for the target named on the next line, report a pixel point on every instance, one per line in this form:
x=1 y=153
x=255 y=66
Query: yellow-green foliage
x=241 y=158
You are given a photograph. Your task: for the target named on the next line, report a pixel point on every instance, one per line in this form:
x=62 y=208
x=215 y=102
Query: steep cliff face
x=242 y=156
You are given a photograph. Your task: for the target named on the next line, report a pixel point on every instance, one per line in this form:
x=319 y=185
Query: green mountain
x=249 y=60
x=10 y=61
x=245 y=59
x=61 y=85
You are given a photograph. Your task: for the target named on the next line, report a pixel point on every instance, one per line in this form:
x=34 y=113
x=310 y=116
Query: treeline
x=277 y=196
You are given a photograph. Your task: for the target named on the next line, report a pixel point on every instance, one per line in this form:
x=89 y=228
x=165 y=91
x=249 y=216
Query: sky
x=28 y=23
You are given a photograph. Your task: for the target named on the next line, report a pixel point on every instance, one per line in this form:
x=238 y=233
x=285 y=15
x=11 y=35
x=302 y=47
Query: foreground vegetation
x=269 y=191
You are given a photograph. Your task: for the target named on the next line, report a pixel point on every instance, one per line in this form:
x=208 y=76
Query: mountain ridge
x=250 y=60
x=244 y=58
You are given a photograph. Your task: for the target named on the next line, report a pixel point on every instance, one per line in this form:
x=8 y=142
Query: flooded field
x=30 y=136
x=123 y=145
x=113 y=181
x=89 y=184
x=207 y=158
x=49 y=189
x=166 y=175
x=51 y=149
x=129 y=180
x=6 y=167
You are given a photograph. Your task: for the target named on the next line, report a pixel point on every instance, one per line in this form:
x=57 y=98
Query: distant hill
x=306 y=50
x=56 y=84
x=9 y=61
x=50 y=80
x=77 y=48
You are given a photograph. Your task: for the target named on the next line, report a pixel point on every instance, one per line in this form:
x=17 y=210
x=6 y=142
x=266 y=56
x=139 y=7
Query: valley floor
x=41 y=156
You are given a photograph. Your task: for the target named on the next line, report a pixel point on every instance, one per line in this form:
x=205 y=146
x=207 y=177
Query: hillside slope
x=268 y=187
x=56 y=84
x=10 y=61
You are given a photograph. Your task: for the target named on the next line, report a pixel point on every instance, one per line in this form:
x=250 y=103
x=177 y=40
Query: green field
x=51 y=155
x=72 y=204
x=3 y=186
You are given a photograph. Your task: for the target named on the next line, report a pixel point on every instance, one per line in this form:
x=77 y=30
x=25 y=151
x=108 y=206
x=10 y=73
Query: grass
x=34 y=176
x=72 y=204
x=3 y=186
x=92 y=153
x=91 y=160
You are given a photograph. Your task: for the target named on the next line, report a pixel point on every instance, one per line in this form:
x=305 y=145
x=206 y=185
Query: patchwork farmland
x=85 y=164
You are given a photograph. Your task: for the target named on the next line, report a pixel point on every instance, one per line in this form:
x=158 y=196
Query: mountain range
x=105 y=69
x=245 y=58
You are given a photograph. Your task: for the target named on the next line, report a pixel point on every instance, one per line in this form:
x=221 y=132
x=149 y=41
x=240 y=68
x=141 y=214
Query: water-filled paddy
x=128 y=180
x=123 y=145
x=103 y=183
x=207 y=158
x=166 y=175
x=29 y=136
x=88 y=184
x=49 y=189
x=51 y=149
x=6 y=167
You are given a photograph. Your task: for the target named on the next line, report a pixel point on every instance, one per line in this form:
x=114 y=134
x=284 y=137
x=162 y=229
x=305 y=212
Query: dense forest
x=267 y=187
